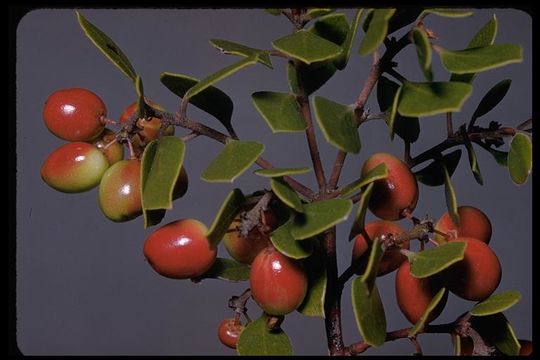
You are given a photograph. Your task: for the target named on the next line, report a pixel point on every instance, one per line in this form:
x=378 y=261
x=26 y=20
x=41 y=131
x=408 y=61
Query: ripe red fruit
x=476 y=276
x=398 y=192
x=414 y=295
x=526 y=347
x=74 y=114
x=278 y=283
x=245 y=248
x=229 y=331
x=472 y=223
x=113 y=152
x=392 y=257
x=467 y=346
x=120 y=191
x=74 y=167
x=180 y=249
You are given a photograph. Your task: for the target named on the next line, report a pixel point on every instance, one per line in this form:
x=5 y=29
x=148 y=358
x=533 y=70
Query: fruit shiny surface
x=278 y=283
x=74 y=167
x=229 y=332
x=472 y=223
x=399 y=191
x=149 y=128
x=180 y=249
x=74 y=114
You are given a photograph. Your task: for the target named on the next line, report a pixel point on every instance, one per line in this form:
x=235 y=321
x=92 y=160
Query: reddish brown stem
x=449 y=125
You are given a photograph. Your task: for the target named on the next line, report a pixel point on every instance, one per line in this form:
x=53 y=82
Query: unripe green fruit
x=472 y=223
x=74 y=167
x=114 y=152
x=390 y=197
x=414 y=295
x=278 y=283
x=180 y=249
x=74 y=114
x=229 y=331
x=477 y=276
x=120 y=191
x=392 y=257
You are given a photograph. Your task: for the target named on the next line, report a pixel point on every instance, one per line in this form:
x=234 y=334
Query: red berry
x=74 y=114
x=526 y=347
x=180 y=249
x=229 y=331
x=472 y=223
x=114 y=152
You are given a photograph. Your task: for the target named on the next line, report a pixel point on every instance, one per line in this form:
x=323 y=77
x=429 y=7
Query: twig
x=449 y=125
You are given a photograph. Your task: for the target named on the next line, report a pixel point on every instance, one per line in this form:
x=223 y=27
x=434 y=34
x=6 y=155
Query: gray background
x=83 y=286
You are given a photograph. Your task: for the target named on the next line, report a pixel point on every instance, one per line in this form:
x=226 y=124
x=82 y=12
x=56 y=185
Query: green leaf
x=337 y=123
x=343 y=59
x=140 y=96
x=229 y=47
x=360 y=218
x=431 y=98
x=450 y=195
x=378 y=172
x=314 y=13
x=277 y=172
x=377 y=30
x=286 y=194
x=226 y=269
x=332 y=27
x=390 y=121
x=372 y=269
x=275 y=12
x=484 y=37
x=496 y=303
x=425 y=316
x=220 y=75
x=457 y=344
x=497 y=330
x=280 y=111
x=490 y=100
x=481 y=58
x=212 y=100
x=473 y=162
x=431 y=261
x=256 y=339
x=312 y=76
x=451 y=13
x=407 y=128
x=403 y=17
x=369 y=313
x=433 y=174
x=284 y=242
x=315 y=267
x=225 y=216
x=423 y=50
x=235 y=158
x=520 y=158
x=320 y=216
x=501 y=157
x=160 y=167
x=107 y=47
x=307 y=47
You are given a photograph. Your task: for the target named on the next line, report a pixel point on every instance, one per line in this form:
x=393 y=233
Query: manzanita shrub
x=282 y=240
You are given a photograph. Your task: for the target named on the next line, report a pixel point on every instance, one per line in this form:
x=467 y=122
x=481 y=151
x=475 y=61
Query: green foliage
x=315 y=267
x=229 y=47
x=286 y=194
x=277 y=172
x=432 y=261
x=450 y=195
x=332 y=27
x=235 y=158
x=320 y=216
x=431 y=307
x=139 y=89
x=226 y=269
x=317 y=12
x=451 y=13
x=496 y=303
x=372 y=269
x=286 y=244
x=368 y=312
x=225 y=216
x=256 y=339
x=473 y=162
x=493 y=97
x=280 y=111
x=520 y=158
x=378 y=172
x=312 y=77
x=376 y=31
x=480 y=58
x=343 y=59
x=307 y=47
x=497 y=330
x=433 y=174
x=423 y=50
x=361 y=211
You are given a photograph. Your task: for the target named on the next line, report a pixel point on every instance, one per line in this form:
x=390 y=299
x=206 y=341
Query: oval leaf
x=277 y=172
x=360 y=218
x=229 y=47
x=372 y=269
x=311 y=76
x=332 y=27
x=212 y=100
x=284 y=242
x=314 y=13
x=286 y=194
x=391 y=119
x=481 y=58
x=280 y=111
x=450 y=195
x=451 y=13
x=338 y=124
x=378 y=172
x=220 y=75
x=497 y=330
x=429 y=262
x=520 y=158
x=226 y=269
x=433 y=174
x=473 y=162
x=423 y=50
x=369 y=313
x=377 y=30
x=491 y=99
x=139 y=89
x=496 y=303
x=107 y=47
x=256 y=339
x=225 y=216
x=315 y=267
x=501 y=157
x=235 y=158
x=320 y=216
x=343 y=59
x=431 y=98
x=307 y=47
x=275 y=12
x=431 y=307
x=403 y=17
